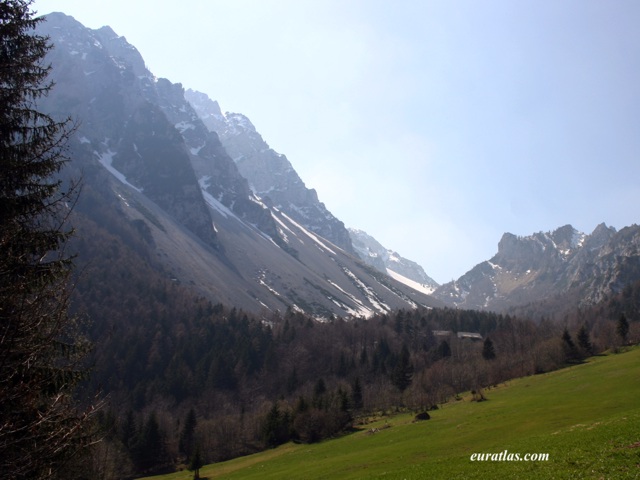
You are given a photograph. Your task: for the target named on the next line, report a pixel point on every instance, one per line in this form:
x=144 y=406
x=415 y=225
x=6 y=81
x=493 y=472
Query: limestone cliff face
x=102 y=83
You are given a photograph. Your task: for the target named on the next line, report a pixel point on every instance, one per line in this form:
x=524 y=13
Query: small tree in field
x=40 y=351
x=196 y=464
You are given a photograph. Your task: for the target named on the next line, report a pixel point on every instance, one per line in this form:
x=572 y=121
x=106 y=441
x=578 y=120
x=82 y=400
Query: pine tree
x=444 y=350
x=187 y=436
x=584 y=341
x=622 y=328
x=275 y=429
x=488 y=352
x=356 y=394
x=570 y=351
x=40 y=352
x=149 y=449
x=128 y=430
x=402 y=374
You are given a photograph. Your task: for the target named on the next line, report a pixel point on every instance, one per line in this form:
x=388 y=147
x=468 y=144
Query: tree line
x=243 y=383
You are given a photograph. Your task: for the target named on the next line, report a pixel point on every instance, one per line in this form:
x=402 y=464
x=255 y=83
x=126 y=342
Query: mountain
x=274 y=179
x=564 y=268
x=153 y=163
x=227 y=216
x=270 y=174
x=386 y=260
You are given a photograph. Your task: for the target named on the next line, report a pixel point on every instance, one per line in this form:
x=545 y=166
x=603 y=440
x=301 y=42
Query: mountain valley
x=232 y=218
x=231 y=312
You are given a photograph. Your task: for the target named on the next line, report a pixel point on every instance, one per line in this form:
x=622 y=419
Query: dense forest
x=184 y=377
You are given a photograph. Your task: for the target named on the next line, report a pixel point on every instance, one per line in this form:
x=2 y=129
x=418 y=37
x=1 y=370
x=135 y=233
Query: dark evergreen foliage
x=148 y=451
x=584 y=340
x=356 y=394
x=444 y=350
x=276 y=427
x=187 y=436
x=622 y=329
x=196 y=463
x=570 y=351
x=403 y=371
x=488 y=351
x=41 y=352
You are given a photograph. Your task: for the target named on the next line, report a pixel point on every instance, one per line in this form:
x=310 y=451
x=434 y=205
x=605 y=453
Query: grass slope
x=586 y=417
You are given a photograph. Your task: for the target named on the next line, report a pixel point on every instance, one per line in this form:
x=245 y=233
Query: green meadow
x=585 y=417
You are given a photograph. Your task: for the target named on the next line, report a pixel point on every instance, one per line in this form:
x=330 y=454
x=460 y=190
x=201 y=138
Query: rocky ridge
x=546 y=265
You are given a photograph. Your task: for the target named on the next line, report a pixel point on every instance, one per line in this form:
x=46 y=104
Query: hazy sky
x=435 y=126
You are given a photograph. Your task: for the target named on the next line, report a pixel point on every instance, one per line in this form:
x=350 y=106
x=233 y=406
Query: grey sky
x=435 y=126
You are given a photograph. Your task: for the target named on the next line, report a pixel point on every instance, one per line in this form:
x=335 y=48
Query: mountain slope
x=582 y=269
x=269 y=173
x=386 y=260
x=143 y=146
x=274 y=179
x=118 y=126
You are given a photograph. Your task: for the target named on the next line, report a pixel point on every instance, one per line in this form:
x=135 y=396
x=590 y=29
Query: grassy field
x=586 y=418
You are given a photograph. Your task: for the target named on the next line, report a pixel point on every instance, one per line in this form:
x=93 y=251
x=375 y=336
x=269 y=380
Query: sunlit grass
x=586 y=417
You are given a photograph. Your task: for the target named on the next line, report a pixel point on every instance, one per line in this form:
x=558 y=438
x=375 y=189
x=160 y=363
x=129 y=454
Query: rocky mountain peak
x=530 y=252
x=66 y=26
x=567 y=238
x=270 y=174
x=547 y=264
x=173 y=92
x=208 y=110
x=122 y=51
x=238 y=124
x=520 y=253
x=599 y=237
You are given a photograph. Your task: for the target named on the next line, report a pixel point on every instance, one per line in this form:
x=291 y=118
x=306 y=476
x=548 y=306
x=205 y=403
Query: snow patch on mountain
x=428 y=289
x=361 y=311
x=313 y=237
x=370 y=294
x=106 y=159
x=261 y=280
x=183 y=126
x=385 y=260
